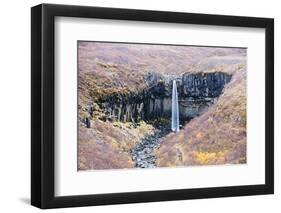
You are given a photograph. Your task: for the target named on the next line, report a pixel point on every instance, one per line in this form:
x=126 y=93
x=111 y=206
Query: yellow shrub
x=207 y=157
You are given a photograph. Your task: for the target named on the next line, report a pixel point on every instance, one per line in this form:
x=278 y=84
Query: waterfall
x=175 y=108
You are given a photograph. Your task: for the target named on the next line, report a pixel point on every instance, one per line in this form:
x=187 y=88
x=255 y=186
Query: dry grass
x=116 y=68
x=106 y=145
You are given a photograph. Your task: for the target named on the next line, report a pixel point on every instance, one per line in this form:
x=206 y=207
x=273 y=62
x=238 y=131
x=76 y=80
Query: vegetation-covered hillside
x=217 y=136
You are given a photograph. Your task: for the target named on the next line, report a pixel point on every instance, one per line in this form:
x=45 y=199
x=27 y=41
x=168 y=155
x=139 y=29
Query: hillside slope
x=217 y=136
x=121 y=68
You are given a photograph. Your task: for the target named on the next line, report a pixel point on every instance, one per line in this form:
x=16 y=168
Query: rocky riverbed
x=142 y=153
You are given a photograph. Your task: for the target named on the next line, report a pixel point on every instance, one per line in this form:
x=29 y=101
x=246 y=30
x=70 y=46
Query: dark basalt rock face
x=196 y=92
x=203 y=85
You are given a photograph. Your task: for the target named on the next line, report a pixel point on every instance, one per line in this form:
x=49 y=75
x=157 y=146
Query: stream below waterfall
x=142 y=153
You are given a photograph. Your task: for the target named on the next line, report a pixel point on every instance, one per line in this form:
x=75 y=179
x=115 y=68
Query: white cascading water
x=175 y=108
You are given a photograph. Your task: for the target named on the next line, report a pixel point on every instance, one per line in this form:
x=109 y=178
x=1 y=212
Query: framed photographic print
x=140 y=106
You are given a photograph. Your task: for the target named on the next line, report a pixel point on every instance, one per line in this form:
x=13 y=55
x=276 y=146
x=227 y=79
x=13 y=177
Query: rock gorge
x=196 y=92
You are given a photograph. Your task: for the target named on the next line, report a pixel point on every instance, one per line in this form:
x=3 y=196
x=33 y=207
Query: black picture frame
x=43 y=102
